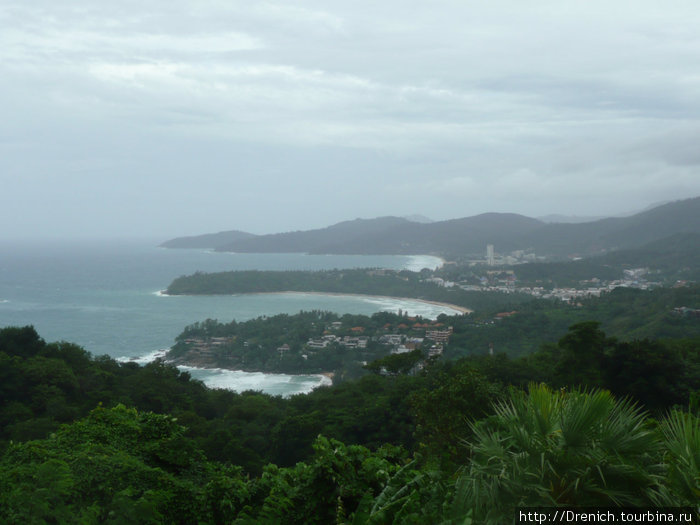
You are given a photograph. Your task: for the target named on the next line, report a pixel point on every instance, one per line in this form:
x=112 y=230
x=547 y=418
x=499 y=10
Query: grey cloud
x=332 y=110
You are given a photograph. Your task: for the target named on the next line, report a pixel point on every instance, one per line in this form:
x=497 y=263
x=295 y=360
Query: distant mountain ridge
x=619 y=232
x=322 y=240
x=209 y=240
x=417 y=217
x=468 y=235
x=568 y=219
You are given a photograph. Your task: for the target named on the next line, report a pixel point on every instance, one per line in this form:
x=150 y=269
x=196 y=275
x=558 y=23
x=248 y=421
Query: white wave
x=145 y=359
x=416 y=263
x=412 y=308
x=4 y=301
x=275 y=384
x=161 y=293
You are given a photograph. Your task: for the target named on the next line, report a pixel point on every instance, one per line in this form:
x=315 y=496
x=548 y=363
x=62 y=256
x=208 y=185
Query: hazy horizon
x=128 y=120
x=158 y=239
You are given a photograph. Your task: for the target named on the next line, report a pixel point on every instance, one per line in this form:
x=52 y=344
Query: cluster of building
x=204 y=350
x=515 y=257
x=436 y=338
x=434 y=333
x=346 y=341
x=684 y=311
x=430 y=336
x=595 y=287
x=206 y=346
x=565 y=294
x=505 y=281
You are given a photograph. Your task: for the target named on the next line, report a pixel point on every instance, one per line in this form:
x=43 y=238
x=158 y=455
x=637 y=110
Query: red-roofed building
x=503 y=315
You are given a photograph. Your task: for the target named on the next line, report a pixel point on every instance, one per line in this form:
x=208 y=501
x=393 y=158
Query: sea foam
x=284 y=385
x=145 y=359
x=416 y=263
x=411 y=307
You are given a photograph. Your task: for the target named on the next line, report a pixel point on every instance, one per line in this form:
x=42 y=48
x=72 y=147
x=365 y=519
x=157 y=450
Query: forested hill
x=671 y=259
x=470 y=235
x=679 y=254
x=618 y=233
x=89 y=440
x=357 y=281
x=391 y=235
x=210 y=240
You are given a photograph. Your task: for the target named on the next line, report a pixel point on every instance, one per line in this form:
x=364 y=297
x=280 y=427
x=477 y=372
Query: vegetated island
x=402 y=284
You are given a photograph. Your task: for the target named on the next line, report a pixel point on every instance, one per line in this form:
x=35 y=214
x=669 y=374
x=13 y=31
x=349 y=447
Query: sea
x=105 y=295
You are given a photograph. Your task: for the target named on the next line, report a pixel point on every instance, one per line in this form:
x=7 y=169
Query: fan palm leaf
x=548 y=447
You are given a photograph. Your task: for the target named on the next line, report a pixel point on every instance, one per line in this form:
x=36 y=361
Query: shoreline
x=324 y=378
x=461 y=309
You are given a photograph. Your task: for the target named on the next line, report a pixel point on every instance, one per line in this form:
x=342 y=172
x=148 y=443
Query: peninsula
x=403 y=284
x=310 y=342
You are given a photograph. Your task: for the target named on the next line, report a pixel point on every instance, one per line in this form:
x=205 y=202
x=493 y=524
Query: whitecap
x=284 y=385
x=416 y=263
x=145 y=359
x=412 y=308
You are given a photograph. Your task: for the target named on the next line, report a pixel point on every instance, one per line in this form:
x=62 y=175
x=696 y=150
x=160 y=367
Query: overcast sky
x=167 y=118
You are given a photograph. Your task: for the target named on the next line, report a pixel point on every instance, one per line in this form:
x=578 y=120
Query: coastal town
x=506 y=282
x=500 y=274
x=366 y=342
x=325 y=341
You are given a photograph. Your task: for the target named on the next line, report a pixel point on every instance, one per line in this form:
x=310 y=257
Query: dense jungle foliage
x=625 y=313
x=89 y=440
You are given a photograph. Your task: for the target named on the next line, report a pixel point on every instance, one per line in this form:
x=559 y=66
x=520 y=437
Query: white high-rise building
x=490 y=260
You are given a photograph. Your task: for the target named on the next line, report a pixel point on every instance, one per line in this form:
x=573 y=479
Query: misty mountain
x=618 y=232
x=417 y=217
x=470 y=235
x=209 y=240
x=323 y=240
x=554 y=217
x=678 y=253
x=672 y=258
x=569 y=219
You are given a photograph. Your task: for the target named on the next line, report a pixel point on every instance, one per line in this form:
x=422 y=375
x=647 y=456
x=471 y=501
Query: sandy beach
x=460 y=309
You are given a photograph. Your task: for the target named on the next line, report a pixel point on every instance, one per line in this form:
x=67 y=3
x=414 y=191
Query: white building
x=490 y=258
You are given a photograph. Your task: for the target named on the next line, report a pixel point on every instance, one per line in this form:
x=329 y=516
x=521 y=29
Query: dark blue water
x=104 y=296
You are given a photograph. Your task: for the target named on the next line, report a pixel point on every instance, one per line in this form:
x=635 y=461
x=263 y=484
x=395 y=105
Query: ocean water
x=104 y=296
